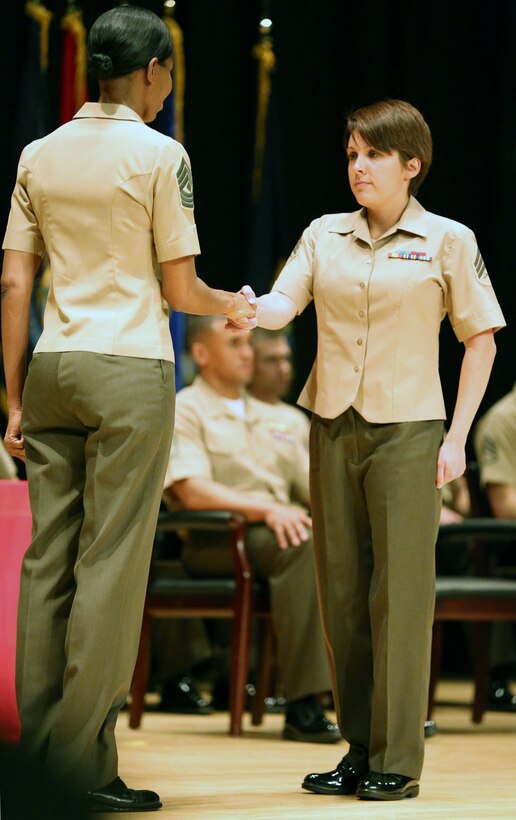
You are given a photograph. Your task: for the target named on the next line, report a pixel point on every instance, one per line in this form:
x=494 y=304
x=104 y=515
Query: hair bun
x=100 y=66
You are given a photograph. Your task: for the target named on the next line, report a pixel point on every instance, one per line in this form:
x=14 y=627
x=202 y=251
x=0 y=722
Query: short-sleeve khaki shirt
x=379 y=306
x=262 y=454
x=108 y=198
x=495 y=442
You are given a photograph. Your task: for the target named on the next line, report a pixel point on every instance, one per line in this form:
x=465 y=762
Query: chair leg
x=482 y=634
x=435 y=664
x=264 y=671
x=141 y=674
x=240 y=657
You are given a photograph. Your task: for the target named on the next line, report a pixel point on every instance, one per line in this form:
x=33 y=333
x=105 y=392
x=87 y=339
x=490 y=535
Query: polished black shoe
x=430 y=728
x=343 y=780
x=182 y=697
x=377 y=786
x=305 y=721
x=116 y=797
x=500 y=697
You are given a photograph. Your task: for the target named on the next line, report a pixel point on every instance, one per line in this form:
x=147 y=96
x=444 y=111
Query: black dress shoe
x=500 y=697
x=116 y=797
x=377 y=786
x=182 y=697
x=343 y=780
x=305 y=721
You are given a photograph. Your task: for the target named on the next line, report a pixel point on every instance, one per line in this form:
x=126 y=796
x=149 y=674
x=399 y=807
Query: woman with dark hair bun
x=111 y=201
x=100 y=66
x=125 y=39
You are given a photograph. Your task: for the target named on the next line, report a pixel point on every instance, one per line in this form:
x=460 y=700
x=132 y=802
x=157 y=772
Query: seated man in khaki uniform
x=495 y=448
x=231 y=451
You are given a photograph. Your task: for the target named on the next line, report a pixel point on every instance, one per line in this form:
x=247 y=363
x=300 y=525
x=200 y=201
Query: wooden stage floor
x=201 y=772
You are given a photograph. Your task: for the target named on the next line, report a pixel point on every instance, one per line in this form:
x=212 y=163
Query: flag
x=73 y=82
x=32 y=118
x=170 y=121
x=32 y=121
x=266 y=247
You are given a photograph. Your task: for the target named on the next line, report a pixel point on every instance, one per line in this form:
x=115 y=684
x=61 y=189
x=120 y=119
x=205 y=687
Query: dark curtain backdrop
x=454 y=60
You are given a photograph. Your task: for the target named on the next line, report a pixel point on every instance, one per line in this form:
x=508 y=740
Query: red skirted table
x=15 y=535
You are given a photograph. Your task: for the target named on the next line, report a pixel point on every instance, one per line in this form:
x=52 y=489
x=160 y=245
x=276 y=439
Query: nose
x=359 y=165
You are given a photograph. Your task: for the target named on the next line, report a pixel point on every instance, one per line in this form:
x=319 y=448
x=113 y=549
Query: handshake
x=242 y=312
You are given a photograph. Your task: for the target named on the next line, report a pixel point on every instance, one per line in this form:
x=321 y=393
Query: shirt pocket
x=228 y=454
x=220 y=444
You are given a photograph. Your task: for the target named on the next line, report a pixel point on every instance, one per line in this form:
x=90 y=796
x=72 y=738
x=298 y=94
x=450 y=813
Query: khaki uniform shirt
x=495 y=442
x=108 y=198
x=297 y=421
x=262 y=454
x=379 y=306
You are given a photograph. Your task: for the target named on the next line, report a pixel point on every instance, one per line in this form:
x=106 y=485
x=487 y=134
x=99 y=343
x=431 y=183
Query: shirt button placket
x=363 y=311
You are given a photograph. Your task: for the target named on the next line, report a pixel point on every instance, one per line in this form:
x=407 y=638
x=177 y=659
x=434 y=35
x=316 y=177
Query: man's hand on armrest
x=289 y=522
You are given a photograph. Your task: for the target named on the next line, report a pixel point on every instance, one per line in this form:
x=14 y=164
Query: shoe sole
x=98 y=809
x=327 y=789
x=412 y=791
x=104 y=808
x=291 y=733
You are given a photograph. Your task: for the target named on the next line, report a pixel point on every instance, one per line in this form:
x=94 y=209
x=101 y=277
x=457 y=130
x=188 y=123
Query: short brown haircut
x=394 y=125
x=199 y=327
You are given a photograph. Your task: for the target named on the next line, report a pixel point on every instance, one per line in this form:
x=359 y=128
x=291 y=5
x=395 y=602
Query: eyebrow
x=369 y=147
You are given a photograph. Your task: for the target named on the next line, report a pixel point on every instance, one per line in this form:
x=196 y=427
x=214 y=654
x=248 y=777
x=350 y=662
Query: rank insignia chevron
x=480 y=270
x=185 y=182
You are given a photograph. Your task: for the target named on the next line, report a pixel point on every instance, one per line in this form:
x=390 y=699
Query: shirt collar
x=215 y=406
x=107 y=111
x=413 y=220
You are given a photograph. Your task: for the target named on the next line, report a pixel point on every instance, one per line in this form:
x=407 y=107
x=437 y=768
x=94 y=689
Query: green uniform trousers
x=376 y=514
x=301 y=656
x=97 y=430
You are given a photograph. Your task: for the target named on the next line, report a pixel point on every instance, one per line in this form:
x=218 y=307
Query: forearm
x=205 y=494
x=202 y=300
x=185 y=292
x=16 y=295
x=275 y=310
x=474 y=376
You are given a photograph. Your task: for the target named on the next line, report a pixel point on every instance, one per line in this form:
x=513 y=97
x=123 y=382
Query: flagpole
x=179 y=68
x=263 y=52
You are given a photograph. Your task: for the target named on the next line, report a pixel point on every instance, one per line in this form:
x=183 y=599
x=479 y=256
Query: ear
x=200 y=354
x=413 y=167
x=150 y=71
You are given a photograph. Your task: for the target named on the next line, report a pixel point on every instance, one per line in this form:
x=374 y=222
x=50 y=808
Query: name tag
x=418 y=256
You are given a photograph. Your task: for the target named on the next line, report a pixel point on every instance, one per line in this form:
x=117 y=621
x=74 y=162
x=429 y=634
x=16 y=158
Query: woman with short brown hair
x=382 y=279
